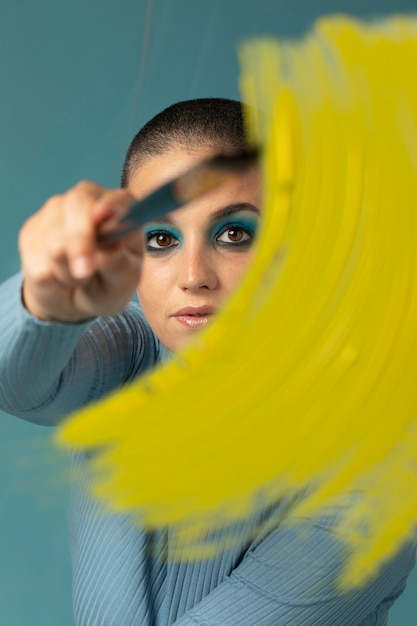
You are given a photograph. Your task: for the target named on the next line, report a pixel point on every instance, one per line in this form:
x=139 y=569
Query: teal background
x=77 y=80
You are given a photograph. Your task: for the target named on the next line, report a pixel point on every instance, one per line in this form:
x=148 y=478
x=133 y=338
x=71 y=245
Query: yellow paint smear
x=308 y=377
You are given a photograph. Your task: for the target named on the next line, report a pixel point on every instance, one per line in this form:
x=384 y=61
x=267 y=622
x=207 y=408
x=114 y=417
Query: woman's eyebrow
x=162 y=219
x=230 y=209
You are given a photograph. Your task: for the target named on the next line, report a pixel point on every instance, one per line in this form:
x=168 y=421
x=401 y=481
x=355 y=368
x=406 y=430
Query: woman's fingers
x=87 y=208
x=80 y=229
x=67 y=274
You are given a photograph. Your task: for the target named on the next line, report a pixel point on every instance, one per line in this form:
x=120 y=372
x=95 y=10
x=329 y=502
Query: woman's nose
x=197 y=268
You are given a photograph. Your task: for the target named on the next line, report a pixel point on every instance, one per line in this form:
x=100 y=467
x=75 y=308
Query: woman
x=74 y=335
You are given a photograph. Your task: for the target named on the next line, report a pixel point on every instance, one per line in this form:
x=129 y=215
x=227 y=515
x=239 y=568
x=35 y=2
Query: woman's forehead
x=155 y=170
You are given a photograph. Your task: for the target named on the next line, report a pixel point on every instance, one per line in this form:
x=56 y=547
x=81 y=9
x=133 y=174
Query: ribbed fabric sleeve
x=48 y=370
x=122 y=574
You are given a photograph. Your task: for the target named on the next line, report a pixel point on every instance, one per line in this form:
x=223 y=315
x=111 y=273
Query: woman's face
x=195 y=256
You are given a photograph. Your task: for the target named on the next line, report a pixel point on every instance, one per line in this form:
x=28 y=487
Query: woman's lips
x=194 y=317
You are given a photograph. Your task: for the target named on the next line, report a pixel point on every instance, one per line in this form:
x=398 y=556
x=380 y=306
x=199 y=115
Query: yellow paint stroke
x=308 y=378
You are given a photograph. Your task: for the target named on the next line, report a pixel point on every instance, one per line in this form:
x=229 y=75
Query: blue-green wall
x=77 y=80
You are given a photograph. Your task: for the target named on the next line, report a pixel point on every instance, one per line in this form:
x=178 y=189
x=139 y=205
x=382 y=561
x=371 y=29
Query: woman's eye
x=160 y=241
x=234 y=235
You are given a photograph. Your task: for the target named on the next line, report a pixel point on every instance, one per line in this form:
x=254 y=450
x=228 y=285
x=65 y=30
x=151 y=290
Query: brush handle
x=186 y=187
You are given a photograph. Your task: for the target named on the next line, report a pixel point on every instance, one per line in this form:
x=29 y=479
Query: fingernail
x=81 y=267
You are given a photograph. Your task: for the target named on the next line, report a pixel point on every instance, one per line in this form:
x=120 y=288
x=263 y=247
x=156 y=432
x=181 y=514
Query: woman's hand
x=68 y=276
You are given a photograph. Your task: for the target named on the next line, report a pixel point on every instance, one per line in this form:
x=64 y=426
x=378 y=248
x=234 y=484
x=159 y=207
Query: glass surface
x=78 y=79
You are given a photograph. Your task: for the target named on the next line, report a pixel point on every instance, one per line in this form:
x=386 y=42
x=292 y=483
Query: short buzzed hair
x=216 y=122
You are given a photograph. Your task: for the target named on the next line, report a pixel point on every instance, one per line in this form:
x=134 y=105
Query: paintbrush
x=177 y=192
